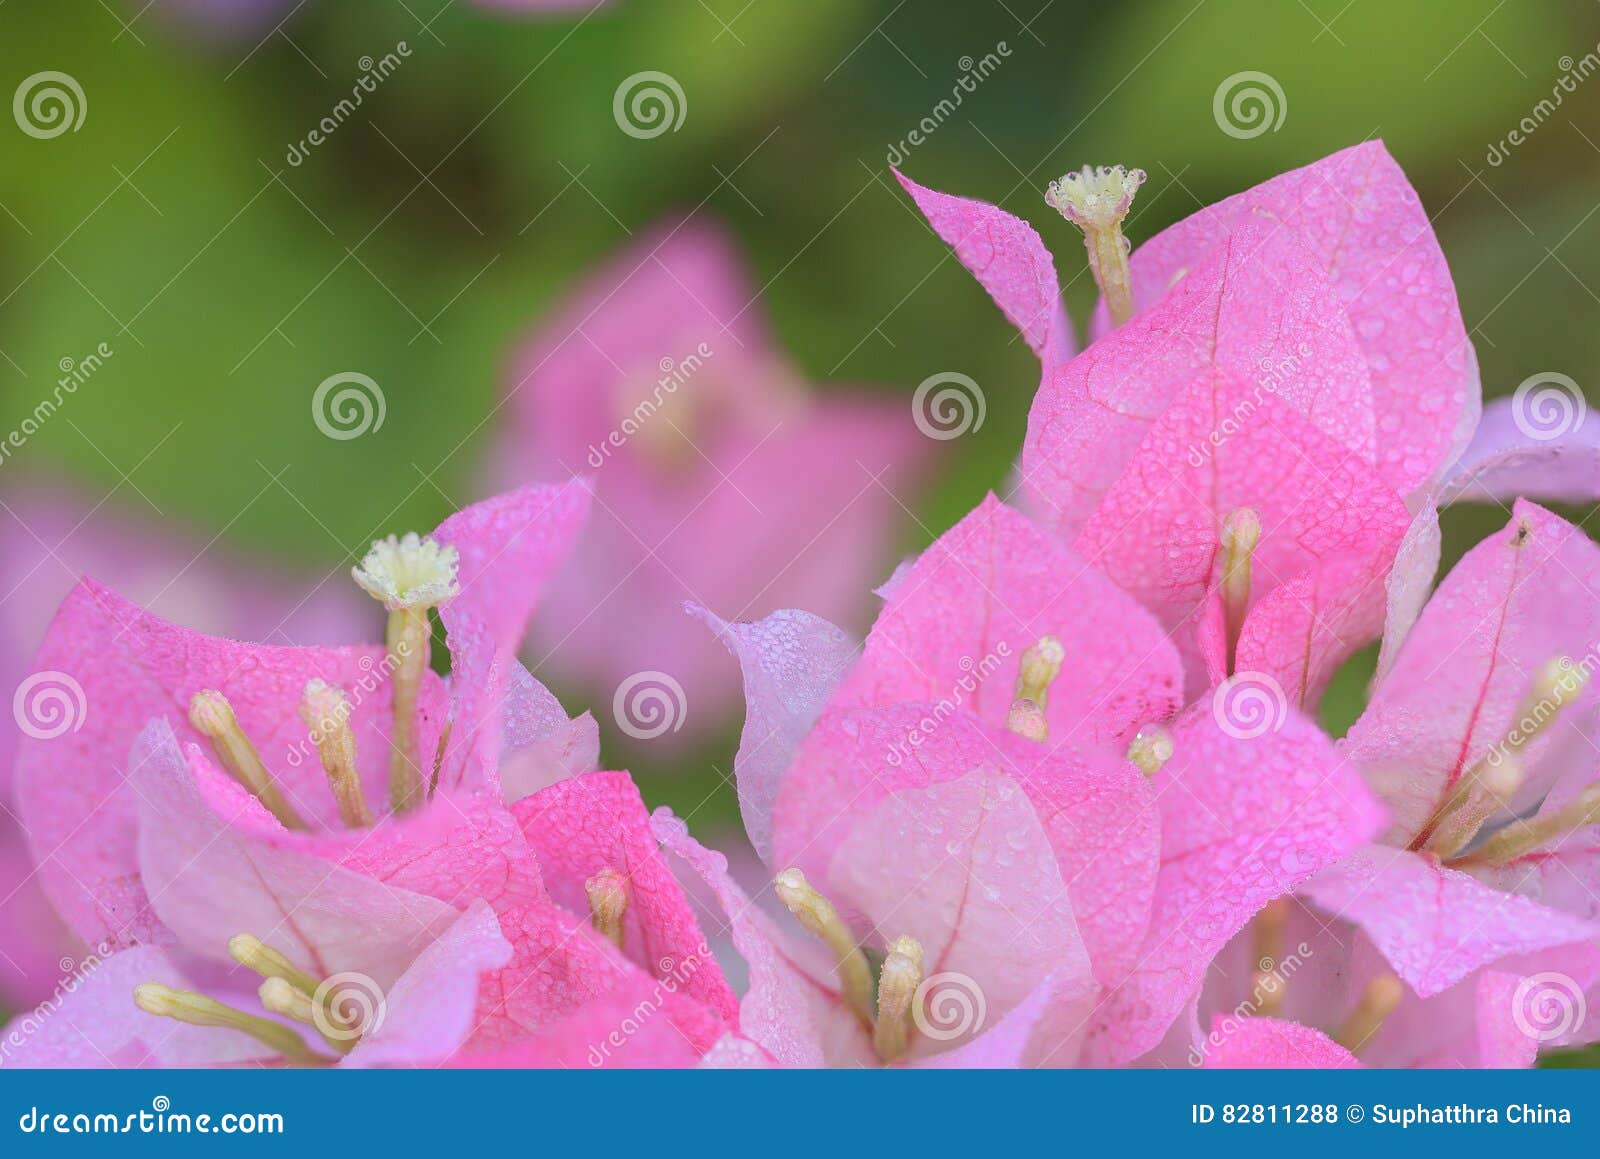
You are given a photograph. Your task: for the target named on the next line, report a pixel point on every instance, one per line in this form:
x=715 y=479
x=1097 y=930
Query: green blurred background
x=487 y=174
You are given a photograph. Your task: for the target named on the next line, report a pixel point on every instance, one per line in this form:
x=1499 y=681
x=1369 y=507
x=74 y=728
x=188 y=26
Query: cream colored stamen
x=1038 y=668
x=410 y=575
x=897 y=991
x=198 y=1010
x=212 y=716
x=1150 y=749
x=326 y=713
x=1523 y=837
x=608 y=904
x=1475 y=798
x=1378 y=1001
x=254 y=954
x=1241 y=533
x=1096 y=200
x=279 y=997
x=821 y=920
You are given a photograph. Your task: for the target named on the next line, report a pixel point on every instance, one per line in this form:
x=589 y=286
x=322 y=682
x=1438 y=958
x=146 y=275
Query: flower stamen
x=213 y=717
x=821 y=920
x=897 y=991
x=608 y=904
x=326 y=713
x=1096 y=200
x=1241 y=533
x=1378 y=1001
x=197 y=1010
x=1150 y=749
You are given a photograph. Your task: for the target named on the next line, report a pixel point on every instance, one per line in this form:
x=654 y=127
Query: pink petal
x=789 y=1011
x=792 y=661
x=1156 y=531
x=1361 y=220
x=1437 y=925
x=633 y=1027
x=539 y=743
x=966 y=869
x=133 y=667
x=1272 y=1044
x=1096 y=809
x=1514 y=455
x=1257 y=309
x=428 y=1012
x=1517 y=601
x=1006 y=256
x=956 y=624
x=1410 y=581
x=597 y=821
x=509 y=547
x=1248 y=814
x=208 y=882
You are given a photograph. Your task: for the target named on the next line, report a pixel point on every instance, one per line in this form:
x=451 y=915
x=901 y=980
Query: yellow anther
x=608 y=904
x=1026 y=718
x=326 y=713
x=1038 y=668
x=212 y=716
x=1096 y=200
x=1241 y=533
x=1378 y=1001
x=198 y=1010
x=897 y=992
x=820 y=919
x=254 y=954
x=1150 y=749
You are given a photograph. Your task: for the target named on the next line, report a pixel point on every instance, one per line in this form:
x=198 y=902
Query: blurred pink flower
x=720 y=477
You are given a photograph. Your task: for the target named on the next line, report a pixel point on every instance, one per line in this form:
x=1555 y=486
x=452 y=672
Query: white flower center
x=410 y=572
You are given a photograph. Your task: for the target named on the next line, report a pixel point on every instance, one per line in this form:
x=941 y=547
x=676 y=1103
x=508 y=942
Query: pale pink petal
x=1436 y=925
x=428 y=1012
x=133 y=667
x=1006 y=256
x=1257 y=309
x=96 y=1025
x=1272 y=1044
x=966 y=869
x=1248 y=814
x=1522 y=598
x=1522 y=451
x=1045 y=1029
x=509 y=548
x=597 y=821
x=789 y=1010
x=1410 y=581
x=636 y=1026
x=208 y=882
x=1361 y=220
x=955 y=627
x=735 y=1052
x=1097 y=810
x=539 y=743
x=791 y=661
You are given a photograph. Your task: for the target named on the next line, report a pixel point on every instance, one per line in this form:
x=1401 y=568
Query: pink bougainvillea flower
x=1006 y=685
x=1294 y=353
x=661 y=379
x=51 y=536
x=576 y=916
